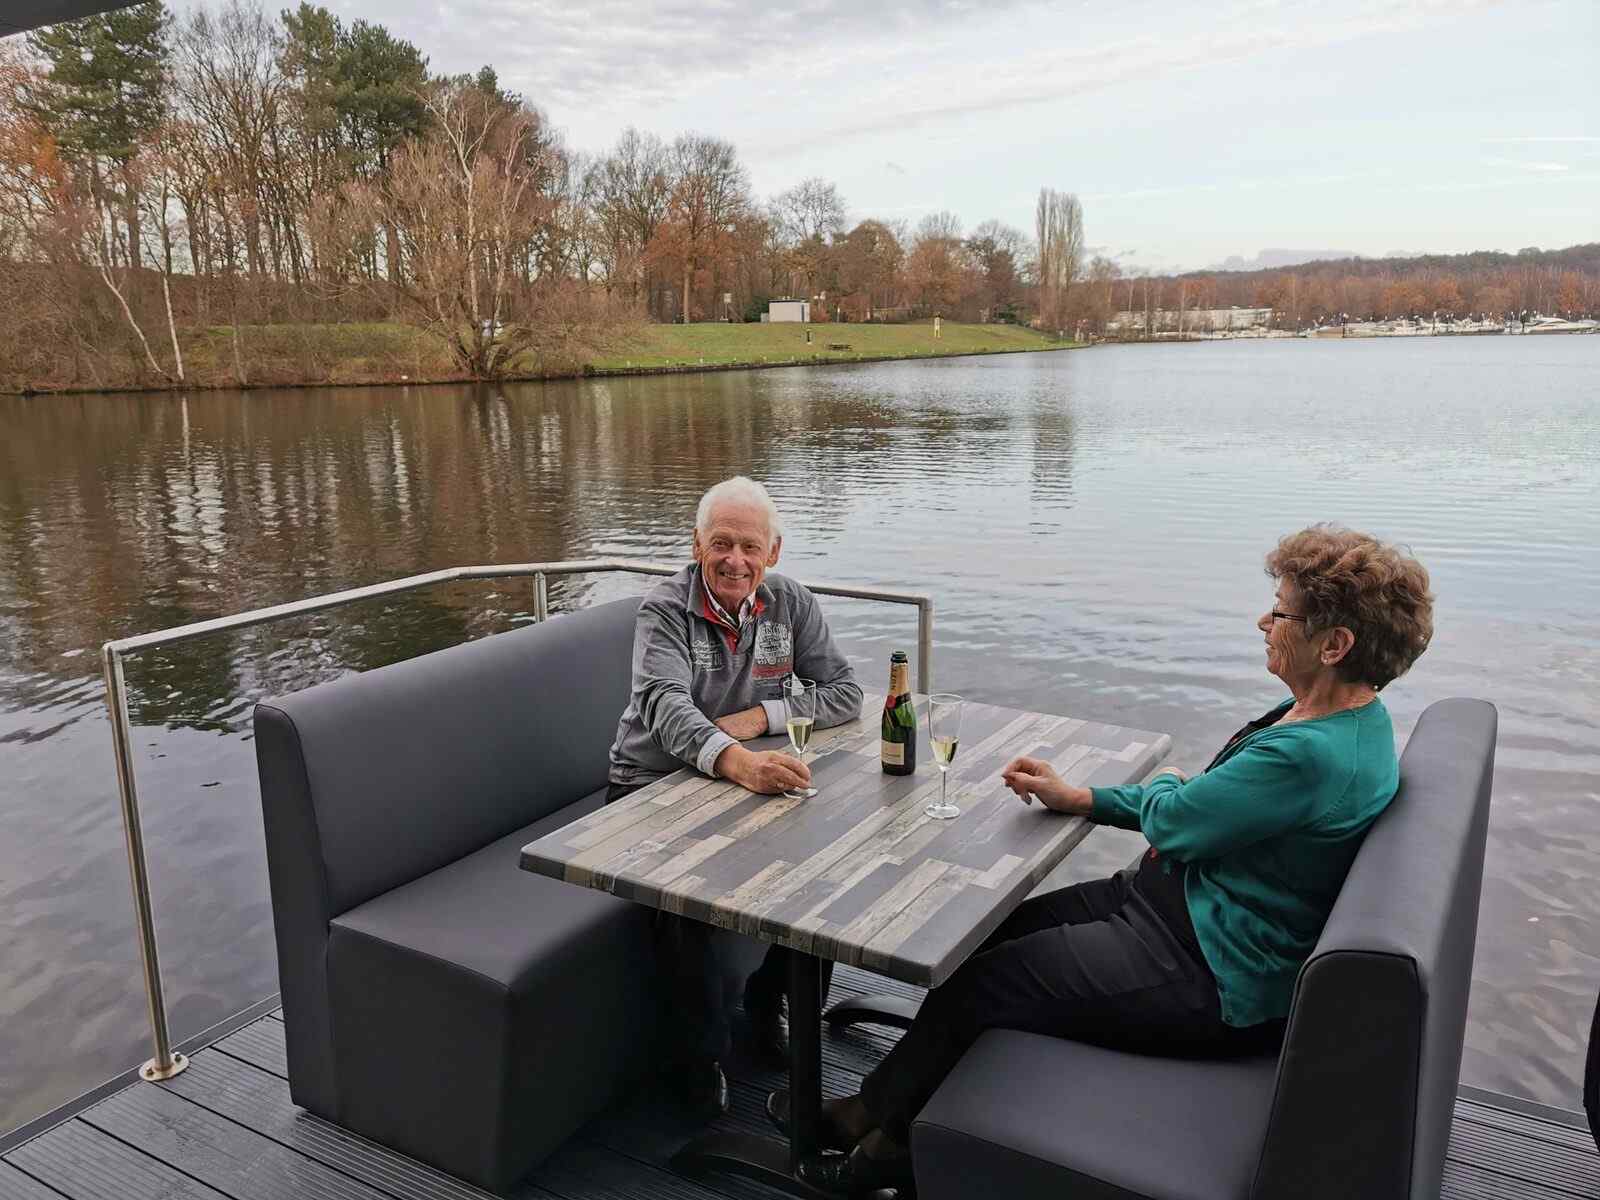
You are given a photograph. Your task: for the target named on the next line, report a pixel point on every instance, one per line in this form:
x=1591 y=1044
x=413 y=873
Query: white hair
x=739 y=490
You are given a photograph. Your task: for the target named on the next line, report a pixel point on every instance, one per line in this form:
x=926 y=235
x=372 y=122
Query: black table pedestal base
x=764 y=1159
x=894 y=1011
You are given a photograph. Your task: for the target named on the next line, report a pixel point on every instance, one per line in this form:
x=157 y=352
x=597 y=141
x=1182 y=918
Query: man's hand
x=1024 y=775
x=750 y=723
x=764 y=771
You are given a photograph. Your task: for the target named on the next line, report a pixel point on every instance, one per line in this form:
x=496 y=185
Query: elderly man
x=712 y=652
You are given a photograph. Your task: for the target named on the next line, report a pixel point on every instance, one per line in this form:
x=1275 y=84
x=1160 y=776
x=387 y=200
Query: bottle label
x=894 y=753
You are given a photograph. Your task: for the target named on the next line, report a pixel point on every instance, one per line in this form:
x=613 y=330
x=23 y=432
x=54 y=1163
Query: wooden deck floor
x=225 y=1129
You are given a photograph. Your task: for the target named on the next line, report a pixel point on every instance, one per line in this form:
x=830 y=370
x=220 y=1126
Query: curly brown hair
x=1375 y=590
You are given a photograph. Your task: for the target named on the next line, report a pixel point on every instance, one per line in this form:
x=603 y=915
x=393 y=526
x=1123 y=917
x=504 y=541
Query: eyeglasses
x=1283 y=616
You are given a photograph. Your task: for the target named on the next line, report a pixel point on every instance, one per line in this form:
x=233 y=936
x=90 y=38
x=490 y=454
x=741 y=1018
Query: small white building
x=789 y=310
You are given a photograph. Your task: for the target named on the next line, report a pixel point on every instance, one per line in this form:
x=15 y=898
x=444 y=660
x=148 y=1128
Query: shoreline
x=585 y=372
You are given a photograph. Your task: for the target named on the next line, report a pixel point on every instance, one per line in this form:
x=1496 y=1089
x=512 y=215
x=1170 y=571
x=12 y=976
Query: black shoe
x=829 y=1136
x=767 y=1028
x=857 y=1174
x=702 y=1090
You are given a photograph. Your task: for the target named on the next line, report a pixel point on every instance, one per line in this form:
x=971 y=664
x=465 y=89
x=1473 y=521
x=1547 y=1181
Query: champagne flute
x=800 y=716
x=944 y=733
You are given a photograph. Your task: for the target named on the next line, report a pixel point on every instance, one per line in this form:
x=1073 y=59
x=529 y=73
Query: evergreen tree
x=310 y=61
x=380 y=104
x=105 y=93
x=379 y=95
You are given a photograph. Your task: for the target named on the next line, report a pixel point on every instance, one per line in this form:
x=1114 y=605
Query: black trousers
x=702 y=986
x=1096 y=963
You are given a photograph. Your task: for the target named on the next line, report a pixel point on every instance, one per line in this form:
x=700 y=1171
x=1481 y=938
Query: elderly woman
x=1195 y=951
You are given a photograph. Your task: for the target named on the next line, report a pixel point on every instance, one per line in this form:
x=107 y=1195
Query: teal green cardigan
x=1268 y=832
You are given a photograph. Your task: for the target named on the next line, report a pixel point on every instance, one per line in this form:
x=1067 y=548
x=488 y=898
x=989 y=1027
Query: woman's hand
x=1182 y=776
x=1024 y=775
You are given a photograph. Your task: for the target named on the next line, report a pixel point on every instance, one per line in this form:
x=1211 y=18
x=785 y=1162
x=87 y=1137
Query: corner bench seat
x=1357 y=1103
x=437 y=998
x=483 y=920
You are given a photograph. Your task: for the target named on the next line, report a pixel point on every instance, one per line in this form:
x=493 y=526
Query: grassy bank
x=715 y=344
x=377 y=353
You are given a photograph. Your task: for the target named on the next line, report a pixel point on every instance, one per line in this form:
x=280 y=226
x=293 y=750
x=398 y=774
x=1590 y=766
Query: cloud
x=894 y=168
x=857 y=70
x=629 y=54
x=966 y=86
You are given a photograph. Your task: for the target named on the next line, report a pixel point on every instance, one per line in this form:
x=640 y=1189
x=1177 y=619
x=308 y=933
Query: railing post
x=541 y=596
x=925 y=646
x=165 y=1064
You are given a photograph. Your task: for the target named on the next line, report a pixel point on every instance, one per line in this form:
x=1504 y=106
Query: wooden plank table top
x=858 y=873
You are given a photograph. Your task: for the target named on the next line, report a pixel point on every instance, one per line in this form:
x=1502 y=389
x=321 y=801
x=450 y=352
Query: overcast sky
x=1191 y=131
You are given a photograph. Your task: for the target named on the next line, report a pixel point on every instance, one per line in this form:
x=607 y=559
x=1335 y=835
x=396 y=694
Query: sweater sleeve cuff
x=1115 y=806
x=777 y=718
x=705 y=762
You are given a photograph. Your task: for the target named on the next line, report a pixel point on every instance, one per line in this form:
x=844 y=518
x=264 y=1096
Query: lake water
x=1091 y=526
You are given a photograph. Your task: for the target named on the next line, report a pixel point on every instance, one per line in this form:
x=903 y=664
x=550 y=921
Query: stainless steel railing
x=166 y=1063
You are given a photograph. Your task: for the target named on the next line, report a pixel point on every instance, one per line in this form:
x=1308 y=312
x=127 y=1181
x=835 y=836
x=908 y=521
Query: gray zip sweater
x=691 y=667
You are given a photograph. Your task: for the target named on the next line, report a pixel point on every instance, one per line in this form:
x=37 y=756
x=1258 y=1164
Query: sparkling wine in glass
x=800 y=716
x=944 y=735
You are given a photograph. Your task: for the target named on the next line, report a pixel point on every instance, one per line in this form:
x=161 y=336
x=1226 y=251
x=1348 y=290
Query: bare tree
x=809 y=218
x=161 y=170
x=810 y=209
x=231 y=86
x=1058 y=223
x=464 y=204
x=632 y=186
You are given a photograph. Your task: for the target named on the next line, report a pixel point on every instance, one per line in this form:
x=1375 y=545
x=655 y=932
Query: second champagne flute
x=944 y=734
x=800 y=711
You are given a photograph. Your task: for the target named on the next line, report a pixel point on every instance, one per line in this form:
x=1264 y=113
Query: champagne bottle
x=898 y=748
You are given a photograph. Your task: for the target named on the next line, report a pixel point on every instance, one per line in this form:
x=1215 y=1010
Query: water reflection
x=1091 y=527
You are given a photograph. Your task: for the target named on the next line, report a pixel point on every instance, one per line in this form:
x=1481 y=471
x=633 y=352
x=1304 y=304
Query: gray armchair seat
x=436 y=997
x=1358 y=1102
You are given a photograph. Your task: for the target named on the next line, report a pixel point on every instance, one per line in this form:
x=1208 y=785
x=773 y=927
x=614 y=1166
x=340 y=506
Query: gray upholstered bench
x=436 y=998
x=1359 y=1102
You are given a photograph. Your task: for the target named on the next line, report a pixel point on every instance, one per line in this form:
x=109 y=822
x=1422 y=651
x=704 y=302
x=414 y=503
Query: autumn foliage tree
x=709 y=194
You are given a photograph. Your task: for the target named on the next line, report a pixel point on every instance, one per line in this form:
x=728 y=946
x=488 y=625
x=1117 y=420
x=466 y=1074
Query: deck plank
x=1524 y=1126
x=261 y=1045
x=14 y=1185
x=82 y=1163
x=216 y=1151
x=1571 y=1170
x=259 y=1100
x=1466 y=1182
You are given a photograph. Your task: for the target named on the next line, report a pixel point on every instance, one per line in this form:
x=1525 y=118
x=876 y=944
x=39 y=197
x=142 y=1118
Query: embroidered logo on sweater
x=705 y=648
x=774 y=650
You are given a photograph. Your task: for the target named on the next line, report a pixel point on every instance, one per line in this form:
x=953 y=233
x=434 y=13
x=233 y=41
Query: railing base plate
x=154 y=1072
